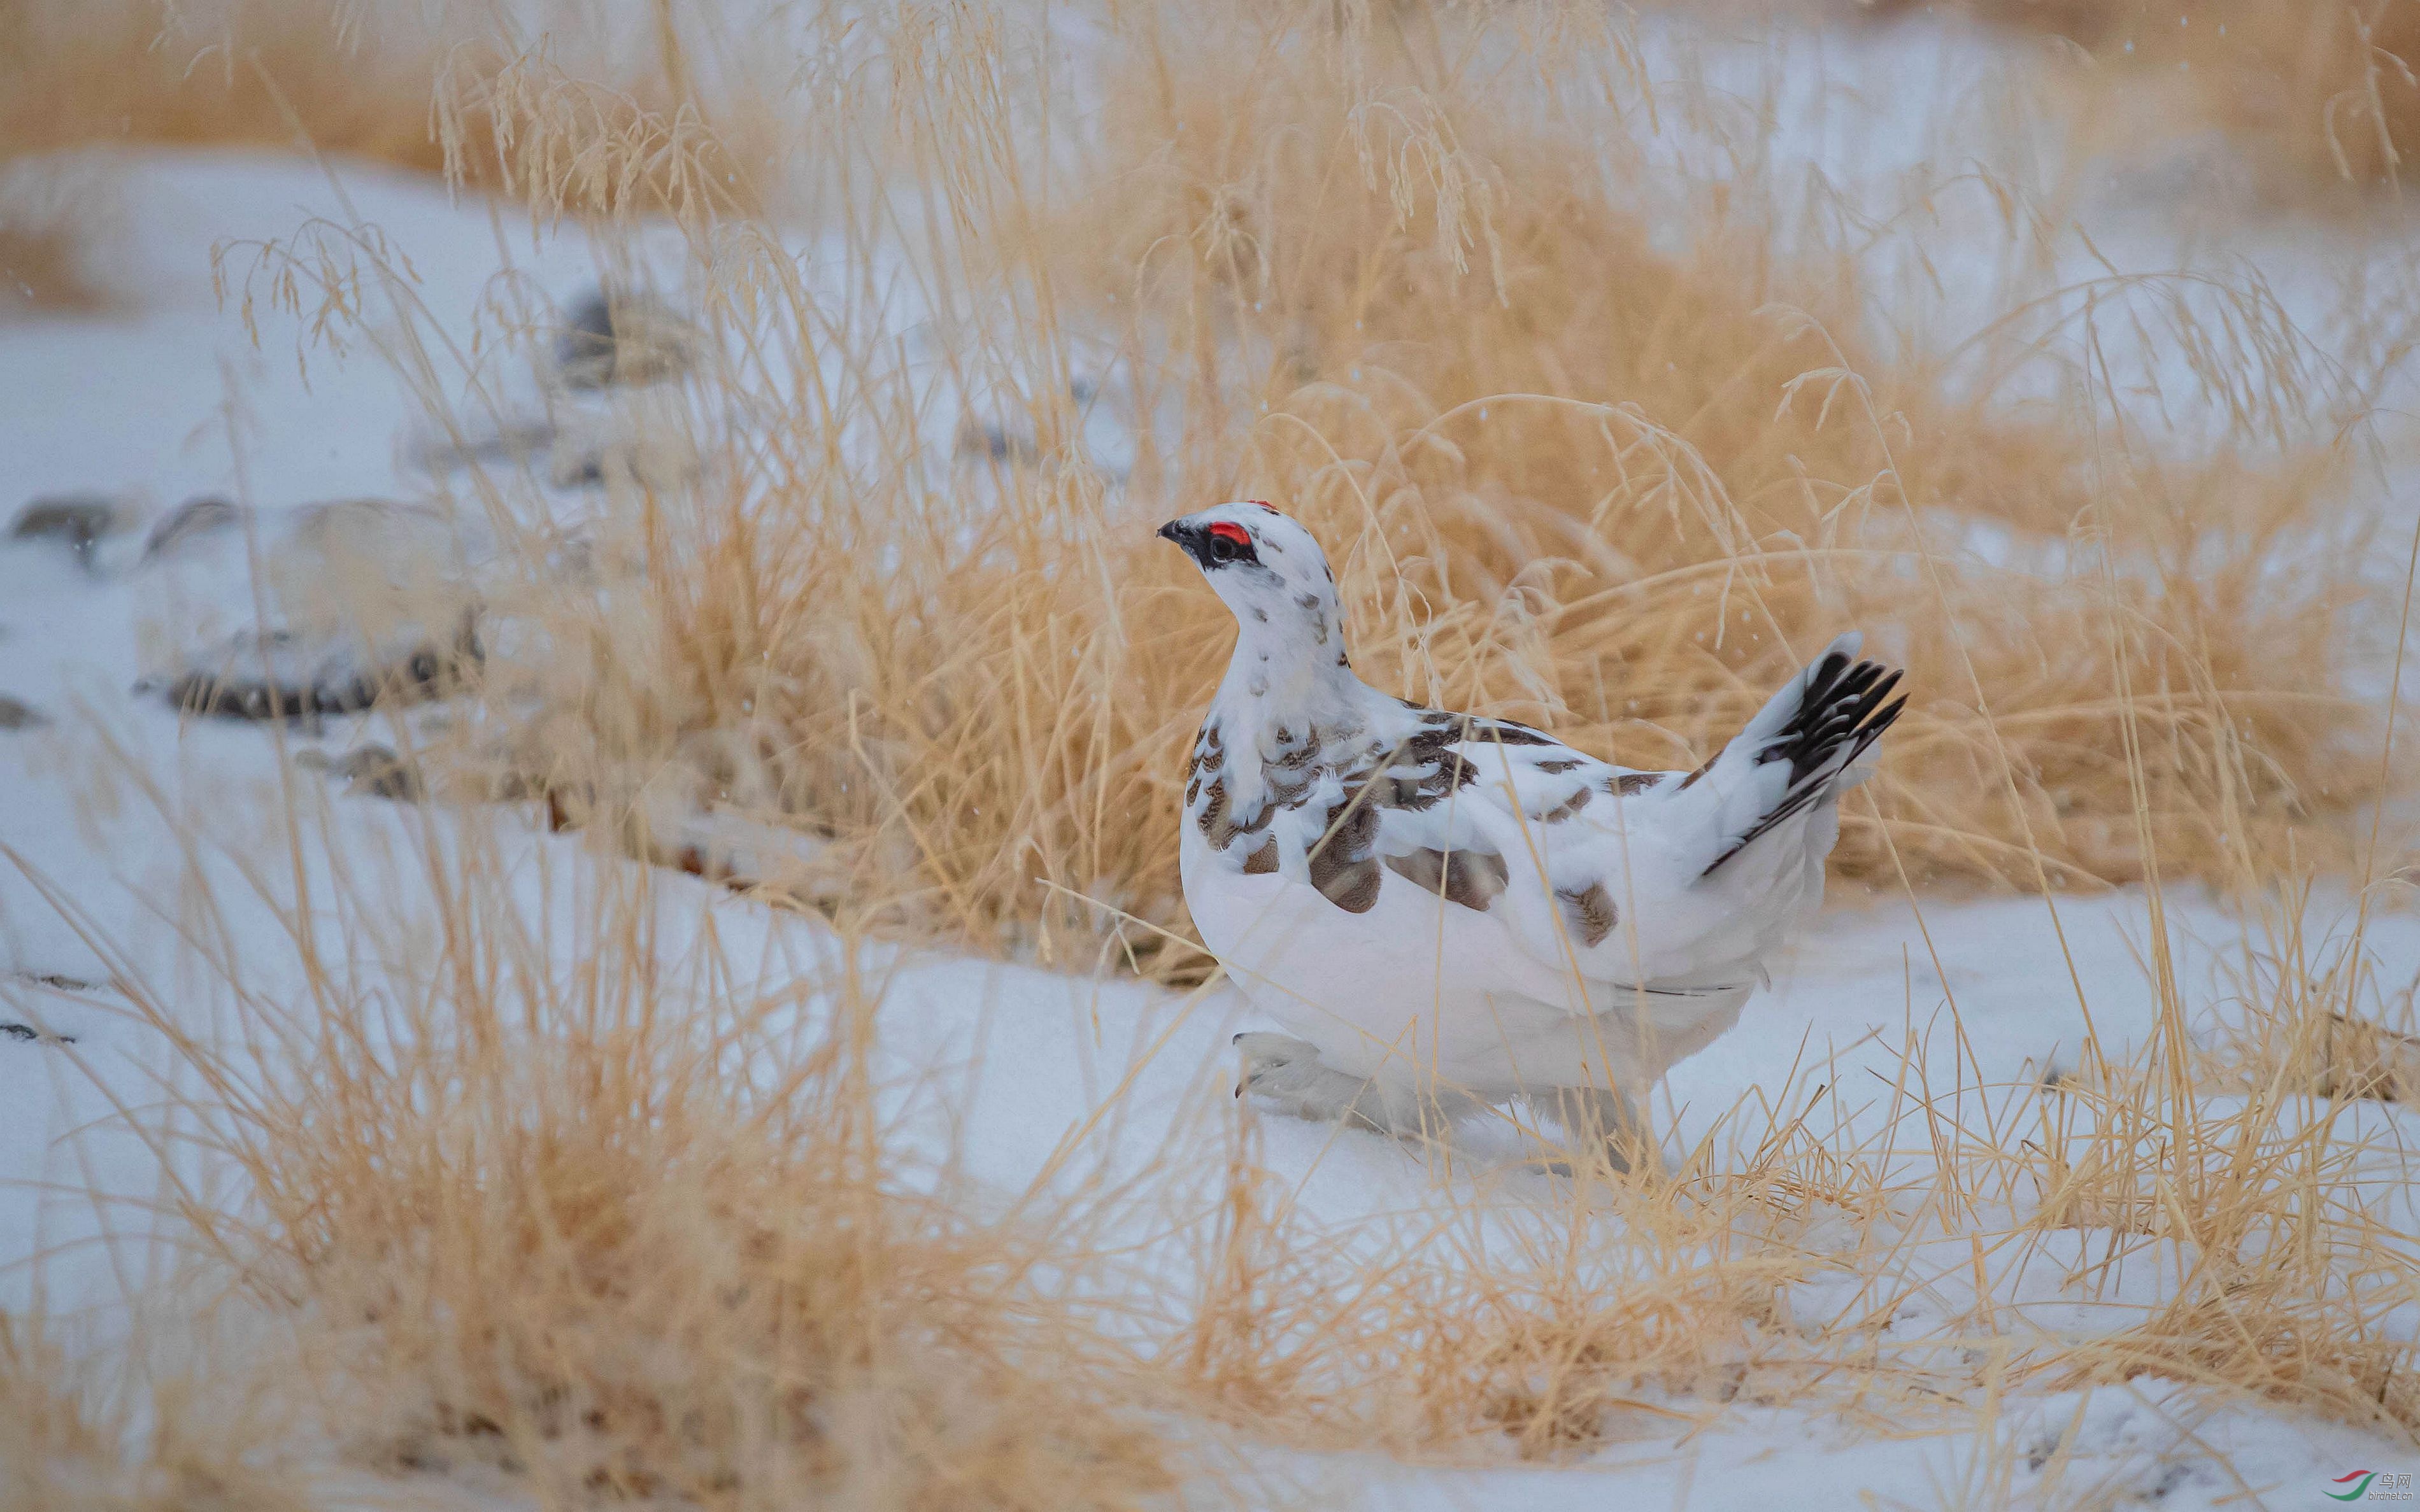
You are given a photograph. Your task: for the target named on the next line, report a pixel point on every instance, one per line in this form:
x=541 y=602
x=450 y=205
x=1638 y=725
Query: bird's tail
x=1818 y=725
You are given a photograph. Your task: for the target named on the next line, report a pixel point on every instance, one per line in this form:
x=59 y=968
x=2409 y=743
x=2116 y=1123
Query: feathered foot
x=1289 y=1073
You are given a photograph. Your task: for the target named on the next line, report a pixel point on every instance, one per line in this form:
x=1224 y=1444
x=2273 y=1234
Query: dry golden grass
x=521 y=1211
x=233 y=73
x=1405 y=279
x=562 y=1184
x=461 y=88
x=2267 y=1221
x=68 y=1442
x=2316 y=95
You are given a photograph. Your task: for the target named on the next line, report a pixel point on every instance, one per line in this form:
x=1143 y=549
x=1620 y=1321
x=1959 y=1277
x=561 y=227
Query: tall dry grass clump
x=2294 y=1270
x=1588 y=446
x=564 y=1192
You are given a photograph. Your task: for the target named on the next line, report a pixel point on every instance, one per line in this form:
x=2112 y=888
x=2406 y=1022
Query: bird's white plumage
x=1447 y=904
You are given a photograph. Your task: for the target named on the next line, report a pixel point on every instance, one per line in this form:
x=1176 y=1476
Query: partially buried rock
x=279 y=674
x=612 y=339
x=76 y=521
x=35 y=1032
x=56 y=982
x=27 y=1033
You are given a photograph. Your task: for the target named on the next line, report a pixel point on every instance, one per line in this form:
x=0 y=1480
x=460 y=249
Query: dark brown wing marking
x=1417 y=789
x=1589 y=911
x=1506 y=733
x=1558 y=766
x=1354 y=887
x=1705 y=766
x=1213 y=804
x=1471 y=878
x=1286 y=789
x=1565 y=810
x=1624 y=784
x=1416 y=774
x=1343 y=865
x=1223 y=831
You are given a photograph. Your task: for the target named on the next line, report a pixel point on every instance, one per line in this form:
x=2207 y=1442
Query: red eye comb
x=1228 y=530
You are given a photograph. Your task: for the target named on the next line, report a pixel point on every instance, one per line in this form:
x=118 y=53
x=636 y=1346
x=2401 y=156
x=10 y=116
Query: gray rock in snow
x=75 y=520
x=56 y=982
x=280 y=674
x=25 y=1032
x=36 y=1033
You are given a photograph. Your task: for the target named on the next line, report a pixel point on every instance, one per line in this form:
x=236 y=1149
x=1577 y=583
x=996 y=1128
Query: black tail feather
x=1840 y=715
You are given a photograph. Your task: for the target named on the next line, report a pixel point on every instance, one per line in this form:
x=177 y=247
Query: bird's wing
x=1560 y=847
x=1667 y=881
x=1668 y=877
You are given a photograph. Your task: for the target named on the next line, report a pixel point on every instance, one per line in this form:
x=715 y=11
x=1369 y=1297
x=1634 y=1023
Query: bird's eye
x=1228 y=543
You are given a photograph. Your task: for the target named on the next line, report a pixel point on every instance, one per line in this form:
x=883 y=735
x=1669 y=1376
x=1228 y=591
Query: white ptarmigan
x=1452 y=911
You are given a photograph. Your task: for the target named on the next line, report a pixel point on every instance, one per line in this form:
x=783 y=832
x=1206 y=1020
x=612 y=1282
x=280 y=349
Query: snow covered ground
x=999 y=1065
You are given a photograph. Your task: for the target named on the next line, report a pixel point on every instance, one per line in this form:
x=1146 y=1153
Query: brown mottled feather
x=1341 y=866
x=1352 y=885
x=1566 y=809
x=1589 y=911
x=1471 y=878
x=1508 y=735
x=1223 y=831
x=1213 y=804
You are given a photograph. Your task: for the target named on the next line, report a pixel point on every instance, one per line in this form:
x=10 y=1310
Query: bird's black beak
x=1186 y=538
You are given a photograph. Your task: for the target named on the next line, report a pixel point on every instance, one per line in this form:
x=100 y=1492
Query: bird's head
x=1258 y=561
x=1273 y=577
